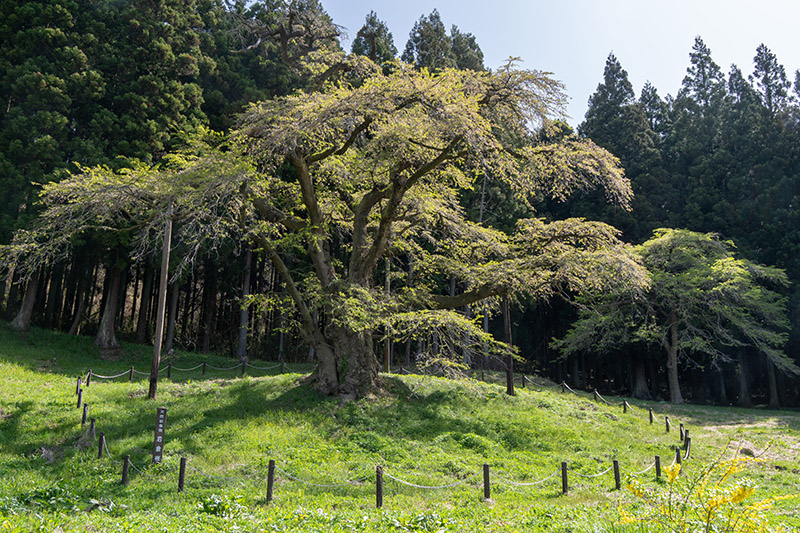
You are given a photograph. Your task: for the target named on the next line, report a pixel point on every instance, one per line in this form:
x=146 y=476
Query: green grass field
x=423 y=430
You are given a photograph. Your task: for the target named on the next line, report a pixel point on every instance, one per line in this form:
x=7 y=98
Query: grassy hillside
x=425 y=431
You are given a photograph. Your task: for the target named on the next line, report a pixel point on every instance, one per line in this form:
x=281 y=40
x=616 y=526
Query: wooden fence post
x=169 y=370
x=666 y=423
x=595 y=395
x=651 y=416
x=244 y=366
x=88 y=378
x=658 y=466
x=688 y=447
x=204 y=368
x=85 y=412
x=564 y=483
x=617 y=483
x=100 y=445
x=125 y=466
x=563 y=387
x=270 y=479
x=378 y=486
x=624 y=406
x=680 y=433
x=678 y=455
x=91 y=427
x=130 y=375
x=80 y=398
x=78 y=386
x=182 y=474
x=487 y=489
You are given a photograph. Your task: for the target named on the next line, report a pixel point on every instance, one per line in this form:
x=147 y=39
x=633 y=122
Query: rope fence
x=169 y=369
x=682 y=453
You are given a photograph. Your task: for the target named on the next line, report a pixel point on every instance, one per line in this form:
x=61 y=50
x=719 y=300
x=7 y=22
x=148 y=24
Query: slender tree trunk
x=142 y=325
x=510 y=362
x=172 y=316
x=774 y=397
x=209 y=304
x=745 y=399
x=241 y=348
x=54 y=297
x=721 y=386
x=13 y=294
x=640 y=388
x=22 y=322
x=106 y=337
x=671 y=347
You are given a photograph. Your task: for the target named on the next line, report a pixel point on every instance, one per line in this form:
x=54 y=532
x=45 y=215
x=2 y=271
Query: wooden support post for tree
x=85 y=412
x=130 y=375
x=91 y=427
x=378 y=486
x=658 y=466
x=487 y=489
x=100 y=445
x=666 y=423
x=182 y=474
x=270 y=479
x=651 y=416
x=80 y=398
x=169 y=370
x=617 y=483
x=678 y=455
x=564 y=482
x=680 y=433
x=125 y=467
x=162 y=306
x=204 y=368
x=88 y=378
x=510 y=363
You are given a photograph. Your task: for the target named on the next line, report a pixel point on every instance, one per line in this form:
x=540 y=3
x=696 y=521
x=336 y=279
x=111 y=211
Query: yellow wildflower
x=672 y=472
x=741 y=493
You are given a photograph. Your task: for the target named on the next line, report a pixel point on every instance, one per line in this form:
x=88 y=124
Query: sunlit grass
x=424 y=430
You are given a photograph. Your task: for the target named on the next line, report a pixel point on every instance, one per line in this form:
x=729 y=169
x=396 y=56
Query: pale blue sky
x=572 y=38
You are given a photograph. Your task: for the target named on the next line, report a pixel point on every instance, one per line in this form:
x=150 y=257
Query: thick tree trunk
x=671 y=347
x=774 y=397
x=721 y=386
x=744 y=380
x=346 y=362
x=106 y=337
x=640 y=388
x=142 y=326
x=22 y=322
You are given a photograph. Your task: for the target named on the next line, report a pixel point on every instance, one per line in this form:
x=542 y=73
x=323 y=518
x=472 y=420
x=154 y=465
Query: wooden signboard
x=158 y=444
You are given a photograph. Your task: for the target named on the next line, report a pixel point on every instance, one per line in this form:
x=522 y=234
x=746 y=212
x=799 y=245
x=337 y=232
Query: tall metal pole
x=162 y=305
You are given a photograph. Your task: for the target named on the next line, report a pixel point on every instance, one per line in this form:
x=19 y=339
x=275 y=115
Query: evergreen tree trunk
x=13 y=294
x=143 y=323
x=106 y=337
x=721 y=386
x=209 y=304
x=241 y=347
x=81 y=295
x=172 y=315
x=774 y=397
x=640 y=388
x=744 y=380
x=54 y=297
x=22 y=322
x=671 y=347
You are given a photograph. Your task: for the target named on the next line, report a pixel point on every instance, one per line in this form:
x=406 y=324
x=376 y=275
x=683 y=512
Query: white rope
x=520 y=484
x=213 y=476
x=429 y=487
x=606 y=401
x=322 y=485
x=108 y=454
x=263 y=367
x=607 y=470
x=638 y=473
x=140 y=471
x=231 y=368
x=187 y=369
x=109 y=377
x=142 y=373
